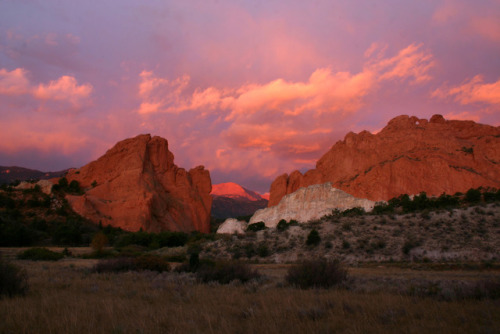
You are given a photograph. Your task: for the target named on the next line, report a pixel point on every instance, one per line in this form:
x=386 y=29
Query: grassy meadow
x=67 y=297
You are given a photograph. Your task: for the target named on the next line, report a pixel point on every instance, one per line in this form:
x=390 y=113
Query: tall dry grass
x=67 y=299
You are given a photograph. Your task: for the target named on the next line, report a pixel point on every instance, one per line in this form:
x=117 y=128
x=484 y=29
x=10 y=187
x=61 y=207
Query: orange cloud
x=472 y=91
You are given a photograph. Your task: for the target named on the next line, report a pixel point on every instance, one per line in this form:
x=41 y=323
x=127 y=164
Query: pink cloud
x=470 y=18
x=472 y=91
x=65 y=88
x=465 y=115
x=488 y=27
x=411 y=62
x=265 y=126
x=14 y=82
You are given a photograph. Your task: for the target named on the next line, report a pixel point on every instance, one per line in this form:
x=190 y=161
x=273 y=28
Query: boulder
x=310 y=203
x=231 y=226
x=136 y=185
x=409 y=156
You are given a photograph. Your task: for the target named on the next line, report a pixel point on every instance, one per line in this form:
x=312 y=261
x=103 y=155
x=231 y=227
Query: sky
x=250 y=89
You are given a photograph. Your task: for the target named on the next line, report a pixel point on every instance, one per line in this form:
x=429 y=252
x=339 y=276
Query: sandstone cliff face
x=137 y=185
x=408 y=156
x=310 y=203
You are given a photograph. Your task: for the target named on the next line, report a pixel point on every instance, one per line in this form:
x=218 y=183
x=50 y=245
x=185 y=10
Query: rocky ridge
x=136 y=185
x=310 y=203
x=408 y=156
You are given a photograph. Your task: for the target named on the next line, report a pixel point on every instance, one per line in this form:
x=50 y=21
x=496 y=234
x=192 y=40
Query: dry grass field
x=66 y=297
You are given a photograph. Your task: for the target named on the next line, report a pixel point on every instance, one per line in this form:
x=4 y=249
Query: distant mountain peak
x=234 y=190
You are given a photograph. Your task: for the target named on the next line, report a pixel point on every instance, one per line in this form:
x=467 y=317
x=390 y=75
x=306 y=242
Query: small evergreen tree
x=313 y=239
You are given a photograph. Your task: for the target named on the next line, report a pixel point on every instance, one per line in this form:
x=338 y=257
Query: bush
x=316 y=274
x=356 y=211
x=40 y=254
x=313 y=238
x=151 y=262
x=263 y=250
x=98 y=242
x=473 y=195
x=74 y=187
x=256 y=227
x=409 y=244
x=226 y=272
x=115 y=265
x=144 y=262
x=13 y=280
x=68 y=233
x=282 y=225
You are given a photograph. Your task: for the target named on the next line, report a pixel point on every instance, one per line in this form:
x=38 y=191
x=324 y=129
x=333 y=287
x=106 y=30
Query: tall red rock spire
x=137 y=185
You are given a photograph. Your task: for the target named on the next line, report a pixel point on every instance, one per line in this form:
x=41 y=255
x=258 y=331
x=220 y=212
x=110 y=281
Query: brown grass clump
x=317 y=274
x=13 y=280
x=143 y=262
x=226 y=272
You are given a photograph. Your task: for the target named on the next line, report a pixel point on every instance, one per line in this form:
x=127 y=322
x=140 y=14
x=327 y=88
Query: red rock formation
x=408 y=156
x=234 y=190
x=137 y=185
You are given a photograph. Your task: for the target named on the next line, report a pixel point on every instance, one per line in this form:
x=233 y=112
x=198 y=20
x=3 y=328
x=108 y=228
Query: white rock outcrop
x=310 y=203
x=231 y=226
x=45 y=186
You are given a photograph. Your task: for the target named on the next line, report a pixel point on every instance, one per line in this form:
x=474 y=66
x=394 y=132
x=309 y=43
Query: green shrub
x=473 y=195
x=63 y=183
x=256 y=226
x=282 y=225
x=357 y=211
x=226 y=272
x=316 y=274
x=263 y=250
x=409 y=244
x=313 y=238
x=74 y=187
x=13 y=280
x=68 y=233
x=381 y=208
x=40 y=254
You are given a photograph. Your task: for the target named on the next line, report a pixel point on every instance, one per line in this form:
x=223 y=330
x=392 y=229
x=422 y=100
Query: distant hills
x=14 y=173
x=231 y=200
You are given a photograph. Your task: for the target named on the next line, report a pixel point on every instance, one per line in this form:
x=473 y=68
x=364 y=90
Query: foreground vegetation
x=68 y=297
